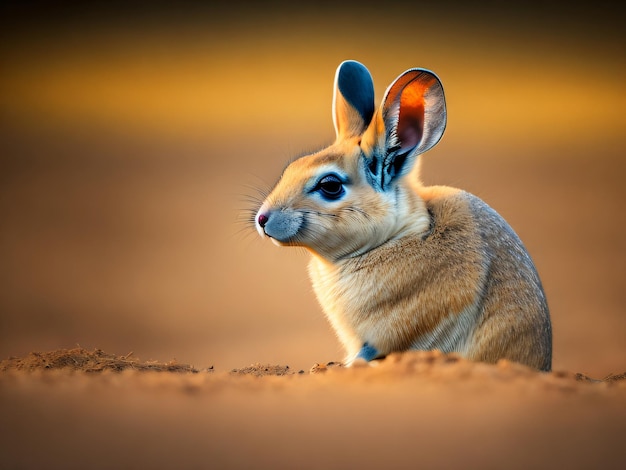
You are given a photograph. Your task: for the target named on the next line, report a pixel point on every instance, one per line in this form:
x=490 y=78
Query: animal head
x=353 y=195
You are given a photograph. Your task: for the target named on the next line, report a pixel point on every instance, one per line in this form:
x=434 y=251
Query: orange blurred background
x=132 y=139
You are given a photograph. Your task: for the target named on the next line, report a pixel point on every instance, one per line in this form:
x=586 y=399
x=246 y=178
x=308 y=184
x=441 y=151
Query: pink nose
x=262 y=220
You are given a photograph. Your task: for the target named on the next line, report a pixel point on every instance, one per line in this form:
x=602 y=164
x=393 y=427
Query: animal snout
x=282 y=225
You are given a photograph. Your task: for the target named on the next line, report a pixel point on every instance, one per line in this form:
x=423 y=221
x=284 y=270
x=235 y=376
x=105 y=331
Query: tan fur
x=411 y=266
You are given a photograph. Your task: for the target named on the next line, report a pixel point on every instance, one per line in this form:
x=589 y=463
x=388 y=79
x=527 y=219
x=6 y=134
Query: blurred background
x=134 y=140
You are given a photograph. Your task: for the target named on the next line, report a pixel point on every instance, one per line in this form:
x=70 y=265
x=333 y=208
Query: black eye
x=330 y=187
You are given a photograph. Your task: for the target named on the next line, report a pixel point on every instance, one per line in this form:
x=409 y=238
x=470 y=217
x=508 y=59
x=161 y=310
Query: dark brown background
x=130 y=138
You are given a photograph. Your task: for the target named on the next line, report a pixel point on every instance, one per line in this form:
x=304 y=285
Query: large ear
x=413 y=114
x=353 y=99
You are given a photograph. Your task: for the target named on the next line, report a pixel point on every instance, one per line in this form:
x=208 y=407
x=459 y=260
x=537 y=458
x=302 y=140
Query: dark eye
x=330 y=187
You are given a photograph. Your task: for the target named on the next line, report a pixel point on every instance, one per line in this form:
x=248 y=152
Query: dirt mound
x=432 y=364
x=260 y=370
x=80 y=359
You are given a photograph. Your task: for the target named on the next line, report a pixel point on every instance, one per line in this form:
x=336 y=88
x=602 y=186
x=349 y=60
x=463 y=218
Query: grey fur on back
x=510 y=264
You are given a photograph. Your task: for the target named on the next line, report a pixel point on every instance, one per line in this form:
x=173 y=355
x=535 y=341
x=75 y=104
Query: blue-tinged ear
x=413 y=114
x=353 y=99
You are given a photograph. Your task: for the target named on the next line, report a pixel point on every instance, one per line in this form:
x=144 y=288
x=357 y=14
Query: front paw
x=367 y=353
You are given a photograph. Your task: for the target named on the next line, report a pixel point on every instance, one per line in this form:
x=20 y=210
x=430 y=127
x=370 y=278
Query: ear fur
x=411 y=120
x=353 y=99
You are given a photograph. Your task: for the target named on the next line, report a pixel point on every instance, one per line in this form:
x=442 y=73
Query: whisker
x=321 y=214
x=250 y=198
x=358 y=210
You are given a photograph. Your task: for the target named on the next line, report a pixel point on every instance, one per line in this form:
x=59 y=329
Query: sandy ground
x=89 y=409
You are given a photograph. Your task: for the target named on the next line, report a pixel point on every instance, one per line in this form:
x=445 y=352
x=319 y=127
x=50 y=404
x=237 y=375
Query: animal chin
x=280 y=239
x=278 y=242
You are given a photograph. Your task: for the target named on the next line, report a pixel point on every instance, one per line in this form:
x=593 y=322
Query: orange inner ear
x=411 y=119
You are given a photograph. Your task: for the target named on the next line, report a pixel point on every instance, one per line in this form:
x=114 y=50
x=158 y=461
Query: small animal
x=397 y=265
